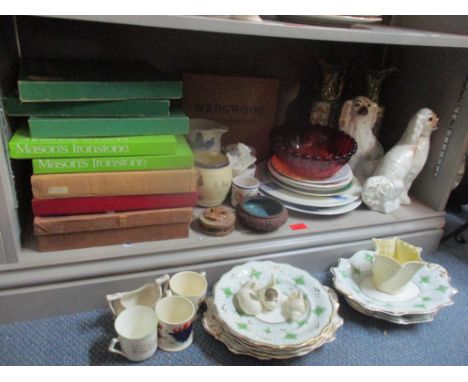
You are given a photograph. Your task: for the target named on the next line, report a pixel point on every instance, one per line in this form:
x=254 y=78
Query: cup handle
x=113 y=349
x=112 y=301
x=167 y=292
x=203 y=274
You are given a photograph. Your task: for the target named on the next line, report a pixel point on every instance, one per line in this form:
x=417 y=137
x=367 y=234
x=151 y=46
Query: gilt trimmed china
x=427 y=292
x=271 y=310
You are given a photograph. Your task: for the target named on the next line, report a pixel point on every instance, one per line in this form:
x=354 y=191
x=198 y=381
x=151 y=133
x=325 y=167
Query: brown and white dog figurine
x=389 y=186
x=358 y=117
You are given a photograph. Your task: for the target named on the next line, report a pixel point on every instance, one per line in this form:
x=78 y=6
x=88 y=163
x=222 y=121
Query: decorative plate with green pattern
x=426 y=294
x=310 y=325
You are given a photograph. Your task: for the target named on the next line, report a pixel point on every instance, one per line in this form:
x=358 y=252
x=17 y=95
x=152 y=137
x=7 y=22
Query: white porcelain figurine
x=247 y=299
x=358 y=117
x=389 y=186
x=295 y=306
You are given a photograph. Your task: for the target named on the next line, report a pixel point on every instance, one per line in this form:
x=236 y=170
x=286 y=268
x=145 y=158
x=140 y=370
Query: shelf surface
x=358 y=33
x=319 y=230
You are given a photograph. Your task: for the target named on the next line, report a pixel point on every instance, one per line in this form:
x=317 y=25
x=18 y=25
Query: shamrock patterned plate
x=285 y=334
x=427 y=293
x=235 y=345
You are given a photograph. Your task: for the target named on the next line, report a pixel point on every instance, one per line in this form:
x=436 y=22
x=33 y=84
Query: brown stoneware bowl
x=262 y=214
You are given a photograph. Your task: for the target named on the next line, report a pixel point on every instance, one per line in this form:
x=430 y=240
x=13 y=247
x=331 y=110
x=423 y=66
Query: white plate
x=313 y=185
x=318 y=315
x=270 y=188
x=302 y=191
x=431 y=284
x=324 y=211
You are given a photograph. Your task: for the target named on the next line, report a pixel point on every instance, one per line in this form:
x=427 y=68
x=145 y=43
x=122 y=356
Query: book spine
x=49 y=186
x=106 y=127
x=72 y=165
x=128 y=108
x=56 y=91
x=79 y=206
x=77 y=240
x=100 y=147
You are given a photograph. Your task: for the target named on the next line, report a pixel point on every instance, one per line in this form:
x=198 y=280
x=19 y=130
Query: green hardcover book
x=176 y=124
x=57 y=80
x=22 y=146
x=126 y=108
x=183 y=158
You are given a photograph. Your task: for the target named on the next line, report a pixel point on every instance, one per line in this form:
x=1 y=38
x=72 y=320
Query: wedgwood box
x=83 y=231
x=245 y=105
x=49 y=186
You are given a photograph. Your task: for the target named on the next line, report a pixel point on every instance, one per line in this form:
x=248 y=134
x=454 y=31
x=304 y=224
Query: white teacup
x=243 y=187
x=175 y=315
x=137 y=330
x=192 y=285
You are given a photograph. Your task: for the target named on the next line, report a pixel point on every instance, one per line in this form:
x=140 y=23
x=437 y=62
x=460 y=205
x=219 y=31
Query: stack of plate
x=265 y=336
x=419 y=301
x=336 y=195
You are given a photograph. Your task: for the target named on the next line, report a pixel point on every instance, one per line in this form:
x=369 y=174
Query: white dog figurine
x=389 y=186
x=358 y=117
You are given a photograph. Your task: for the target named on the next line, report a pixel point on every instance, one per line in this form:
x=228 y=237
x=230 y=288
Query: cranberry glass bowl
x=310 y=152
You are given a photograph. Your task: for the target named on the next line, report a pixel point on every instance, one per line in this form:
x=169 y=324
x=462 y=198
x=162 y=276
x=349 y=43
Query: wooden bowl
x=262 y=214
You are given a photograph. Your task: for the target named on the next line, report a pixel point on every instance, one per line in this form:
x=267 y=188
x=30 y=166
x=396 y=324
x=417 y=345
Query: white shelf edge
x=370 y=34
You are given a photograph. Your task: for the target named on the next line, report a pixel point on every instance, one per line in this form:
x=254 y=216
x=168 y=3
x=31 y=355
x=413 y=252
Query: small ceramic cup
x=175 y=315
x=137 y=329
x=192 y=285
x=243 y=187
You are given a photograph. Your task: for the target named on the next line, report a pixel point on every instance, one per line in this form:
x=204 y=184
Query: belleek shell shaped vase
x=395 y=264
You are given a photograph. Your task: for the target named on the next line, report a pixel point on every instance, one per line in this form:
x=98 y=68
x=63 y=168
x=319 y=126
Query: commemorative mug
x=137 y=330
x=243 y=187
x=175 y=319
x=192 y=285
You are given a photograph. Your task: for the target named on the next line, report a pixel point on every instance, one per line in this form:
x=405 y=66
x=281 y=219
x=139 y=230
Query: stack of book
x=110 y=162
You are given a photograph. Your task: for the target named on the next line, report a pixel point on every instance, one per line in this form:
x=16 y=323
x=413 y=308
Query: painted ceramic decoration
x=281 y=326
x=428 y=291
x=205 y=135
x=358 y=117
x=396 y=263
x=147 y=295
x=388 y=188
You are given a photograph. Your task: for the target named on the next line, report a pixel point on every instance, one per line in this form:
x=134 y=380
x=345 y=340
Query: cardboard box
x=247 y=106
x=82 y=231
x=48 y=186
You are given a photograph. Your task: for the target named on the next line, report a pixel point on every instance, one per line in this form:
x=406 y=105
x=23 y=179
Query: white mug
x=137 y=330
x=243 y=187
x=175 y=316
x=192 y=285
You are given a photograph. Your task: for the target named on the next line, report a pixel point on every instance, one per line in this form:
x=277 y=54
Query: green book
x=182 y=158
x=58 y=80
x=22 y=146
x=126 y=108
x=176 y=124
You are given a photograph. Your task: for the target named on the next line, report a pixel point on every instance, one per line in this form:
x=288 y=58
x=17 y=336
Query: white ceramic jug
x=205 y=135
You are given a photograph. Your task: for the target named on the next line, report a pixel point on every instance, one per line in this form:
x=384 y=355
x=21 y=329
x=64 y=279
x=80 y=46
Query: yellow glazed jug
x=395 y=264
x=214 y=178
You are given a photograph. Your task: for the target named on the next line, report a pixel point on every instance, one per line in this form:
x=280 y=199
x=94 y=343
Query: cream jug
x=205 y=135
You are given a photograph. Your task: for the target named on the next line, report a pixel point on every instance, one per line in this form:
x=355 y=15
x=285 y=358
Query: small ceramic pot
x=262 y=214
x=395 y=264
x=243 y=187
x=217 y=221
x=214 y=178
x=205 y=135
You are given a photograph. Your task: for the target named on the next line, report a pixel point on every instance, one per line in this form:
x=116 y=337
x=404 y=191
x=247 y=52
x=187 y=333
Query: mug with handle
x=137 y=330
x=175 y=319
x=189 y=284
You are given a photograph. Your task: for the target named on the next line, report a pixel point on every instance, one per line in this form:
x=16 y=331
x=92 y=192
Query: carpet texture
x=82 y=339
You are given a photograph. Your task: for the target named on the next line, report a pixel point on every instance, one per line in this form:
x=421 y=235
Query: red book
x=102 y=204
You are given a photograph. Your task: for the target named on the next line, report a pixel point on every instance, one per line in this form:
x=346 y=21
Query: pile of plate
x=265 y=336
x=336 y=195
x=427 y=293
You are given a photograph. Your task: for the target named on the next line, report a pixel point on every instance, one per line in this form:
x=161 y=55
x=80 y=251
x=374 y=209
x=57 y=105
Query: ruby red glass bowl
x=311 y=152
